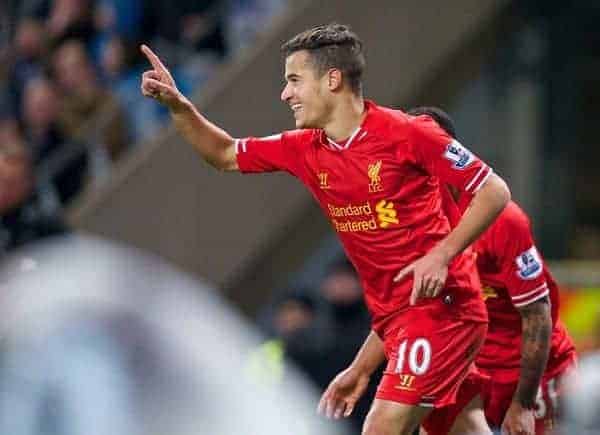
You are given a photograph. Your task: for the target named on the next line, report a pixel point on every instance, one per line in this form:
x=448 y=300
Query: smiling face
x=307 y=94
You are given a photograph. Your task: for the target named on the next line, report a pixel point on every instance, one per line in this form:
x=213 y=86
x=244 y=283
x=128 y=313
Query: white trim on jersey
x=529 y=293
x=531 y=300
x=483 y=168
x=490 y=172
x=239 y=149
x=348 y=142
x=479 y=179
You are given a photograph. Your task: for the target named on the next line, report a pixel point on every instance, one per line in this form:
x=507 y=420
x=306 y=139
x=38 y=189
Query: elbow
x=504 y=194
x=499 y=191
x=225 y=160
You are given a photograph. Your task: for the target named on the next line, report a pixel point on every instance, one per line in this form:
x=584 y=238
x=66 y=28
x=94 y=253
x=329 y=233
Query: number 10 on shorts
x=418 y=358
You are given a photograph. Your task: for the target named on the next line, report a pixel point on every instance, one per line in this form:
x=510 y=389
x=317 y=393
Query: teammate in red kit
x=525 y=330
x=376 y=173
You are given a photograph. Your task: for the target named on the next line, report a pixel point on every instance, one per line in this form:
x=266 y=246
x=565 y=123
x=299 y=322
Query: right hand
x=158 y=82
x=518 y=421
x=343 y=392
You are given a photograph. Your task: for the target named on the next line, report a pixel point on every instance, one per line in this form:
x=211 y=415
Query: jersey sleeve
x=279 y=152
x=442 y=156
x=522 y=265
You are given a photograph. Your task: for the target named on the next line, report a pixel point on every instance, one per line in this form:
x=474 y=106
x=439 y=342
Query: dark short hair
x=442 y=118
x=332 y=46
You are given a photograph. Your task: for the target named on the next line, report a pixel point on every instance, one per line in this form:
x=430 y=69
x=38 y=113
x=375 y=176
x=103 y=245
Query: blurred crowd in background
x=70 y=104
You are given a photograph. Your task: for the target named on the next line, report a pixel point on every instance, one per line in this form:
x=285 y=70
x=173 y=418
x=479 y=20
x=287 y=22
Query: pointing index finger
x=153 y=58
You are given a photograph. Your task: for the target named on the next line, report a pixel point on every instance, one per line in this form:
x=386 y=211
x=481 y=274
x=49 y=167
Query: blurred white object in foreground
x=581 y=414
x=102 y=339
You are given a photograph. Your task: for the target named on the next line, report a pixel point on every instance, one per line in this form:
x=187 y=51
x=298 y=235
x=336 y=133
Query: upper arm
x=278 y=152
x=539 y=309
x=521 y=263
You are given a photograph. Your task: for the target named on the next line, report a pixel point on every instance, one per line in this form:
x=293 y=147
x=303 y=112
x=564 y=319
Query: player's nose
x=286 y=93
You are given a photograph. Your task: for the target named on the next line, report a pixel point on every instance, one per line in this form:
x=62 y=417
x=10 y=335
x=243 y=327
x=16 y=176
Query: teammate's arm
x=214 y=144
x=349 y=385
x=536 y=324
x=430 y=271
x=486 y=205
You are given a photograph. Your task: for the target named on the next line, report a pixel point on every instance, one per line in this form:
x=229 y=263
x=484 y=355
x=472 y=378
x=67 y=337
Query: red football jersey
x=513 y=275
x=381 y=191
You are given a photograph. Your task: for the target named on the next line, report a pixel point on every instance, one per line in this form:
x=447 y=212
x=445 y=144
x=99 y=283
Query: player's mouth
x=296 y=108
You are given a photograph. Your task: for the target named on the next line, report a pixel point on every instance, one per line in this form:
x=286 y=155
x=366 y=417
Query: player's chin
x=303 y=123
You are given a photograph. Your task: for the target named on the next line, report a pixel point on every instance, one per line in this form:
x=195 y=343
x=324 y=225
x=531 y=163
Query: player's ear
x=334 y=79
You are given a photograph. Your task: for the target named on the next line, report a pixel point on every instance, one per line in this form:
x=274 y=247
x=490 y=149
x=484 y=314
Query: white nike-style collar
x=335 y=146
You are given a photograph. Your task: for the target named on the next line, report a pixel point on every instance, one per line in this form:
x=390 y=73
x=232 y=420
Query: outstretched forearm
x=535 y=346
x=214 y=144
x=487 y=204
x=370 y=355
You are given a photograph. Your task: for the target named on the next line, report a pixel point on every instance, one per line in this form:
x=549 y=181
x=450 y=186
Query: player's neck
x=345 y=118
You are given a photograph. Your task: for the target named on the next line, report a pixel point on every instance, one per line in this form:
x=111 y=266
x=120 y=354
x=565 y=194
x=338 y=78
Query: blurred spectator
x=120 y=62
x=46 y=141
x=195 y=25
x=125 y=18
x=297 y=337
x=24 y=59
x=16 y=177
x=62 y=19
x=320 y=333
x=24 y=214
x=85 y=98
x=349 y=325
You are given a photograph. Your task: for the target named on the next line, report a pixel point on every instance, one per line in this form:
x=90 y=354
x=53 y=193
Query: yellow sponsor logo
x=362 y=217
x=406 y=382
x=374 y=177
x=323 y=181
x=350 y=210
x=354 y=226
x=386 y=214
x=489 y=292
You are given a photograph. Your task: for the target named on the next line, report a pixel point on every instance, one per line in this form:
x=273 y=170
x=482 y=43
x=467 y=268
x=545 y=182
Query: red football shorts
x=428 y=360
x=497 y=397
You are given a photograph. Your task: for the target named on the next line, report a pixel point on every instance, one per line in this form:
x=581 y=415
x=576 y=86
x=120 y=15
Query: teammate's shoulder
x=514 y=214
x=512 y=221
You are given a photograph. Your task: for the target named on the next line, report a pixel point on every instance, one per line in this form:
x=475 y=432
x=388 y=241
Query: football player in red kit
x=376 y=173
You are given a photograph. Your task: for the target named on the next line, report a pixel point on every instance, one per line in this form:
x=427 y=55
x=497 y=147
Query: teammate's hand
x=518 y=421
x=429 y=275
x=158 y=82
x=343 y=392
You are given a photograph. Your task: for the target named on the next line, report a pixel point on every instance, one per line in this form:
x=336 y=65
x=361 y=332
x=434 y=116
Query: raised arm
x=214 y=144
